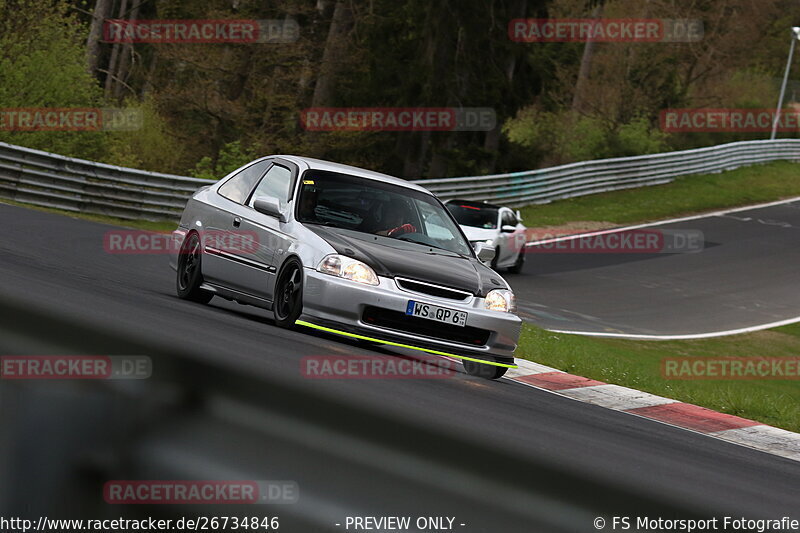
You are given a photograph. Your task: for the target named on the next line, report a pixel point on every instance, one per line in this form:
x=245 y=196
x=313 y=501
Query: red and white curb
x=683 y=415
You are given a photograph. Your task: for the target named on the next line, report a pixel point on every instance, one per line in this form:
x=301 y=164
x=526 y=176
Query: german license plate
x=434 y=312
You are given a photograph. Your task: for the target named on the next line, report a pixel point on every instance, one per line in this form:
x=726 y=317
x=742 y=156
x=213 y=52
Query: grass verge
x=684 y=196
x=637 y=364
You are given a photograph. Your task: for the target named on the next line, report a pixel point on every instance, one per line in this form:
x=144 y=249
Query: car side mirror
x=484 y=252
x=508 y=229
x=269 y=206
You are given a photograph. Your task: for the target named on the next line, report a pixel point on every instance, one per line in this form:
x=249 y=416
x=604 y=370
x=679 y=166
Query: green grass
x=637 y=364
x=163 y=225
x=684 y=196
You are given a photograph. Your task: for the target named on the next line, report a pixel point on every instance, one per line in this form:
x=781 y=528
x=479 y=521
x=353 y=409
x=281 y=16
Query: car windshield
x=473 y=215
x=377 y=208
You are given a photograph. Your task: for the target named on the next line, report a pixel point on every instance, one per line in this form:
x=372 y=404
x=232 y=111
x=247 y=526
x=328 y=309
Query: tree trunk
x=95 y=33
x=491 y=141
x=414 y=163
x=335 y=47
x=112 y=62
x=586 y=65
x=441 y=156
x=126 y=55
x=147 y=86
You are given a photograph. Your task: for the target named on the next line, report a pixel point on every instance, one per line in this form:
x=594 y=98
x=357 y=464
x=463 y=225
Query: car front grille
x=429 y=289
x=399 y=321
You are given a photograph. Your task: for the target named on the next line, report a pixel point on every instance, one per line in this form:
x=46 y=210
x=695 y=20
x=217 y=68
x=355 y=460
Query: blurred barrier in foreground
x=201 y=417
x=51 y=180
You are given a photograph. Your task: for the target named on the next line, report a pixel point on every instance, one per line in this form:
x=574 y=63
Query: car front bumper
x=339 y=304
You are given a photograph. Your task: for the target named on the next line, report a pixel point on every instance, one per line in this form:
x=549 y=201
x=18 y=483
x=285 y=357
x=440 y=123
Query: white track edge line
x=690 y=336
x=663 y=222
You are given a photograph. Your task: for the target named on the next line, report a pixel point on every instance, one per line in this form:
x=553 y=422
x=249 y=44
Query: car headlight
x=501 y=300
x=348 y=268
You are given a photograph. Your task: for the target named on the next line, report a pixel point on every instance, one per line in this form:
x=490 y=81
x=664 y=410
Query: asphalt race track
x=59 y=263
x=748 y=274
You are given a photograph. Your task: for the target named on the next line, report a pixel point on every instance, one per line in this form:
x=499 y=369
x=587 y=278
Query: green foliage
x=42 y=65
x=197 y=100
x=638 y=137
x=567 y=137
x=150 y=147
x=581 y=139
x=231 y=156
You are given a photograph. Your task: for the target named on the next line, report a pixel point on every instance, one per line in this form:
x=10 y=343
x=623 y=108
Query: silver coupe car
x=350 y=252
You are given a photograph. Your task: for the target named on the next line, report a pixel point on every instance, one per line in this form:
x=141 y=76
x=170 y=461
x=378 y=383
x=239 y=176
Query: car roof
x=473 y=203
x=319 y=164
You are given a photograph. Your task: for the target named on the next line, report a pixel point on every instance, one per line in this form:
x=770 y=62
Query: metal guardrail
x=51 y=180
x=590 y=177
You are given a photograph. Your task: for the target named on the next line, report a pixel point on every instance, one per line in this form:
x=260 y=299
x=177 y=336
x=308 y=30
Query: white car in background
x=498 y=227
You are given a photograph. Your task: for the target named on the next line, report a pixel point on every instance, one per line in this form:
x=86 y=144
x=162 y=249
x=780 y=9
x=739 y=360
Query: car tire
x=288 y=304
x=519 y=263
x=484 y=371
x=189 y=272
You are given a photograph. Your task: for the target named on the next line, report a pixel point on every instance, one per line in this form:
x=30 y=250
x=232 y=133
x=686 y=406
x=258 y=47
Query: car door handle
x=237 y=221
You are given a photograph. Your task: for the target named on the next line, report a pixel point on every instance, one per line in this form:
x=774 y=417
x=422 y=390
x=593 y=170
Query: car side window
x=509 y=219
x=275 y=183
x=239 y=186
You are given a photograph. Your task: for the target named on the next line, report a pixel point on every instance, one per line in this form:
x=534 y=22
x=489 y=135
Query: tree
x=42 y=65
x=101 y=10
